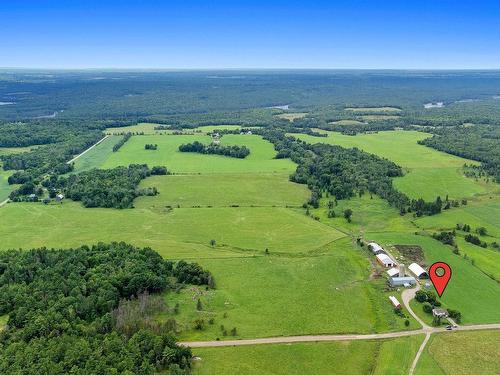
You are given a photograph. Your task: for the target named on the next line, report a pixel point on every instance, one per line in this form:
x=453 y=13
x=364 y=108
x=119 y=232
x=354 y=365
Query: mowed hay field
x=261 y=158
x=216 y=190
x=373 y=109
x=276 y=295
x=474 y=353
x=97 y=155
x=430 y=173
x=388 y=357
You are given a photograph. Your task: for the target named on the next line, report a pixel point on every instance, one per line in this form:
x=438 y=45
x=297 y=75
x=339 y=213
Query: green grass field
x=261 y=158
x=369 y=118
x=98 y=155
x=373 y=109
x=281 y=230
x=292 y=115
x=461 y=353
x=347 y=122
x=388 y=357
x=430 y=172
x=265 y=296
x=143 y=127
x=251 y=189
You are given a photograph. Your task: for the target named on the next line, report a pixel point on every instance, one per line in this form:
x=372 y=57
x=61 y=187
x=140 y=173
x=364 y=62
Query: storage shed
x=418 y=271
x=393 y=272
x=395 y=302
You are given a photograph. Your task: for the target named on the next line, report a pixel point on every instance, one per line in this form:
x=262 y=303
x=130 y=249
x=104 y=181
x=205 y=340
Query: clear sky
x=418 y=34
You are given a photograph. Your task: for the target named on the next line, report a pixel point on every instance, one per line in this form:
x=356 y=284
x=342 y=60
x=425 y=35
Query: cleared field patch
x=461 y=353
x=354 y=357
x=98 y=155
x=261 y=158
x=224 y=190
x=373 y=109
x=211 y=128
x=347 y=122
x=292 y=115
x=30 y=225
x=143 y=127
x=278 y=295
x=430 y=172
x=369 y=214
x=379 y=117
x=470 y=291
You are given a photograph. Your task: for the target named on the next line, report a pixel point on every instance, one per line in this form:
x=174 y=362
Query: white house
x=375 y=248
x=440 y=313
x=385 y=260
x=418 y=271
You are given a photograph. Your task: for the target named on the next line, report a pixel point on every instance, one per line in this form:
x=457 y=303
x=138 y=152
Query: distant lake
x=434 y=105
x=284 y=107
x=6 y=103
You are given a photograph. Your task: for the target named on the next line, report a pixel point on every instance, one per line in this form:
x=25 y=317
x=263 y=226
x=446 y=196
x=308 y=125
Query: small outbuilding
x=393 y=272
x=402 y=281
x=418 y=271
x=395 y=302
x=59 y=197
x=440 y=313
x=385 y=260
x=375 y=248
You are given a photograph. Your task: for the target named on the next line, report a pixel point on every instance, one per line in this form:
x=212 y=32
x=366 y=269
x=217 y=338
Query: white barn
x=385 y=260
x=418 y=271
x=375 y=248
x=393 y=272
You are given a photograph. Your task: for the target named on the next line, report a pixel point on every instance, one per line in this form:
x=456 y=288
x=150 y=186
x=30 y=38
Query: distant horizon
x=250 y=35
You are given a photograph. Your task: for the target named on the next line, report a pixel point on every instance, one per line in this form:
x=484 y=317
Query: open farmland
x=388 y=357
x=261 y=158
x=430 y=173
x=461 y=353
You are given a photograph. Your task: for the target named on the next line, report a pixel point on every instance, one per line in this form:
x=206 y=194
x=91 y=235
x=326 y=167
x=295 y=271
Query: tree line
x=234 y=151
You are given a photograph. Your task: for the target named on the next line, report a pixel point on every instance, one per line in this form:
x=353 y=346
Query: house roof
x=440 y=311
x=394 y=301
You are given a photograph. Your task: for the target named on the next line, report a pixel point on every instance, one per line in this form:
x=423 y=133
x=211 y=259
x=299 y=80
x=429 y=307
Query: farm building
x=440 y=313
x=385 y=260
x=395 y=302
x=59 y=197
x=375 y=248
x=418 y=271
x=402 y=281
x=393 y=272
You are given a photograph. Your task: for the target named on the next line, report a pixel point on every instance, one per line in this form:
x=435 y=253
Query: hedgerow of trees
x=234 y=151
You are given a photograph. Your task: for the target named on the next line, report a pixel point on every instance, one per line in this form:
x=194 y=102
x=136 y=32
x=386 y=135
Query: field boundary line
x=87 y=150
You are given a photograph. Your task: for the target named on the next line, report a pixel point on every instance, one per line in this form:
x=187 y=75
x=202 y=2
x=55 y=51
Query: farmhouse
x=440 y=313
x=375 y=248
x=418 y=271
x=395 y=302
x=385 y=260
x=402 y=281
x=59 y=197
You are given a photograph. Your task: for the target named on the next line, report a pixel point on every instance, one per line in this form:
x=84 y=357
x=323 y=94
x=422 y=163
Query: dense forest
x=234 y=151
x=74 y=311
x=115 y=187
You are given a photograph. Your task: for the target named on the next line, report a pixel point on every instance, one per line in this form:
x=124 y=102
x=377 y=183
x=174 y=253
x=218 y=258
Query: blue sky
x=417 y=34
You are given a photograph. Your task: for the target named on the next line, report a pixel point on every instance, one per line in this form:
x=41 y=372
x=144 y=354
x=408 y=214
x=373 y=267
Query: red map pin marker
x=440 y=274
